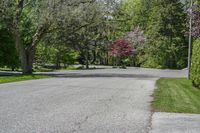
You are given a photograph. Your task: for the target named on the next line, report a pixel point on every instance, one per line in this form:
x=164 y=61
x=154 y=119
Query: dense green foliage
x=195 y=63
x=81 y=32
x=8 y=54
x=195 y=68
x=164 y=24
x=176 y=95
x=166 y=45
x=56 y=55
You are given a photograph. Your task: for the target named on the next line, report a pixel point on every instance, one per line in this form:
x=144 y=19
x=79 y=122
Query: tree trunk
x=18 y=38
x=65 y=65
x=22 y=53
x=26 y=56
x=30 y=54
x=94 y=56
x=107 y=58
x=58 y=61
x=87 y=59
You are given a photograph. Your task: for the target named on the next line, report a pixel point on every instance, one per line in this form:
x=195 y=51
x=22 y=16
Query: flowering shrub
x=120 y=47
x=195 y=14
x=126 y=46
x=135 y=37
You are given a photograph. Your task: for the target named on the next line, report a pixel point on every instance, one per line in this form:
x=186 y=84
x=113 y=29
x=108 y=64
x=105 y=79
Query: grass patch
x=176 y=95
x=8 y=69
x=8 y=79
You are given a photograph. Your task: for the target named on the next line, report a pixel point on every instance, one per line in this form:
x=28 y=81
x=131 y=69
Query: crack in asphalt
x=104 y=101
x=150 y=123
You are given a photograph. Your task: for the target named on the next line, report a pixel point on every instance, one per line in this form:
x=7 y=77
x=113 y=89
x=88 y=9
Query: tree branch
x=28 y=3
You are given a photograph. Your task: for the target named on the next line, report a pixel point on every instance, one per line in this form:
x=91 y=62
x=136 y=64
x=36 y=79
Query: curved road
x=98 y=101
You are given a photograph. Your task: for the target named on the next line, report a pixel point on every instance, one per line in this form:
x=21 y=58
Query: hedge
x=195 y=68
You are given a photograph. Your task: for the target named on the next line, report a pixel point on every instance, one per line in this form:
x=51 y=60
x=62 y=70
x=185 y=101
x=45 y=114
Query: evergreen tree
x=166 y=42
x=144 y=14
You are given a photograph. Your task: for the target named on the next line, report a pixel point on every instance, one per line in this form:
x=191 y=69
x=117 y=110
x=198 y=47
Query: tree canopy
x=83 y=31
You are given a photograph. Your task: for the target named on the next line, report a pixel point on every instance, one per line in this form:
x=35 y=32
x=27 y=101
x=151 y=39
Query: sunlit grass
x=176 y=95
x=8 y=79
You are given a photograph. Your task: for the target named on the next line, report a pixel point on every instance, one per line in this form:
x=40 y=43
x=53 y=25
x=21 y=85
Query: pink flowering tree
x=136 y=38
x=120 y=49
x=195 y=14
x=125 y=48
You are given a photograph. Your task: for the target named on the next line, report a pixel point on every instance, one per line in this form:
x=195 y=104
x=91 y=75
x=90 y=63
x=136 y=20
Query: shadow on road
x=118 y=73
x=79 y=75
x=9 y=73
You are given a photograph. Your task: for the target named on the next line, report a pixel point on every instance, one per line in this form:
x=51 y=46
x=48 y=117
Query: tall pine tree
x=166 y=42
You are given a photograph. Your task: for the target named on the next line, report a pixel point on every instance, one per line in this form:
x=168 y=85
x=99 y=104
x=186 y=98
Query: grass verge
x=176 y=95
x=8 y=79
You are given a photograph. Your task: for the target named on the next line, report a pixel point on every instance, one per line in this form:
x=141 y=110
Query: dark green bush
x=8 y=54
x=195 y=68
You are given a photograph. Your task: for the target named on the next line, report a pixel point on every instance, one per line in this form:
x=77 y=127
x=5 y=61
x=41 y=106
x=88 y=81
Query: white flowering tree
x=136 y=38
x=195 y=20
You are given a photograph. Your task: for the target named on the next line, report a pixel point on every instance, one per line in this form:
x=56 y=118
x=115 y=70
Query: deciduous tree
x=37 y=17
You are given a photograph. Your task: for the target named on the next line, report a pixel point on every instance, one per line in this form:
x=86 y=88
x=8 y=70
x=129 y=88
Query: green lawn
x=176 y=95
x=8 y=79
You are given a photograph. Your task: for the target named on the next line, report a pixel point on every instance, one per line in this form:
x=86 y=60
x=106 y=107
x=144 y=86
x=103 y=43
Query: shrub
x=195 y=68
x=8 y=54
x=120 y=48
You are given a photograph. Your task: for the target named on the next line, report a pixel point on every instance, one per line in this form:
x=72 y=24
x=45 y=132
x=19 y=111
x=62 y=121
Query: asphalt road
x=131 y=72
x=78 y=105
x=99 y=101
x=107 y=71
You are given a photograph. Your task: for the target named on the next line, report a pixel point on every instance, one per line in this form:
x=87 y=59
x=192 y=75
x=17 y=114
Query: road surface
x=98 y=101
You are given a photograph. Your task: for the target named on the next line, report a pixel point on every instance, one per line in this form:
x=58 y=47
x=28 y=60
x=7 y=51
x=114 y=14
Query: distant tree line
x=138 y=33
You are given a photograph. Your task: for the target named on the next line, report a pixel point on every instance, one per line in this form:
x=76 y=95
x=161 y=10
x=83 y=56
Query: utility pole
x=190 y=40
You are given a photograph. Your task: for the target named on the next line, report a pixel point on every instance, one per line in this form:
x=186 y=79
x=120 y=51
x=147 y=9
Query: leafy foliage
x=135 y=37
x=195 y=68
x=120 y=47
x=30 y=21
x=166 y=45
x=8 y=55
x=152 y=33
x=56 y=55
x=195 y=14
